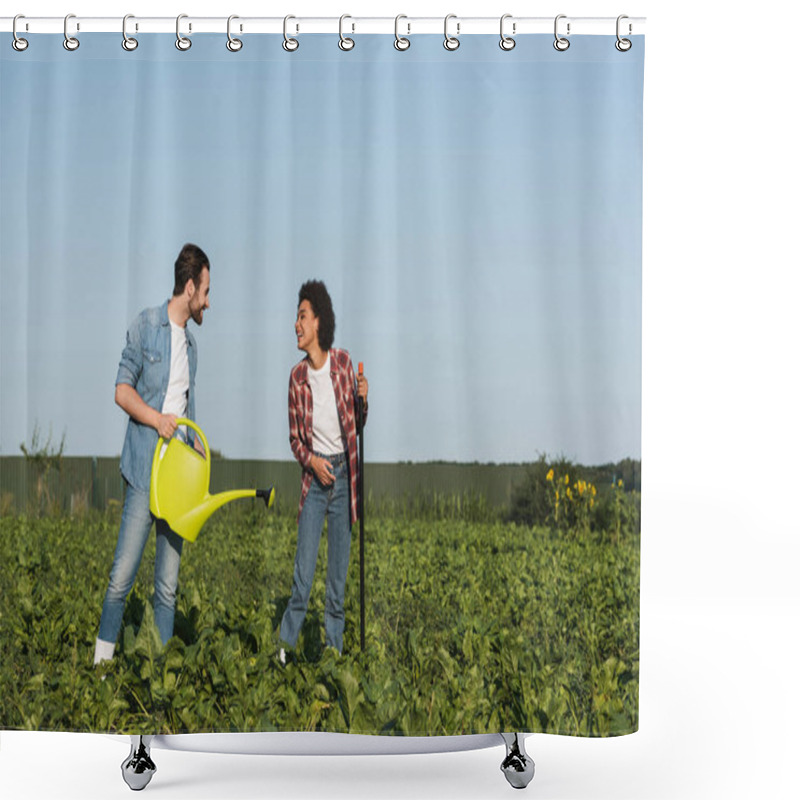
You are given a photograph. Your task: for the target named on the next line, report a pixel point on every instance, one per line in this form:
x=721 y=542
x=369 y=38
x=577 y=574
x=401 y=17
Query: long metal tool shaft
x=361 y=509
x=360 y=489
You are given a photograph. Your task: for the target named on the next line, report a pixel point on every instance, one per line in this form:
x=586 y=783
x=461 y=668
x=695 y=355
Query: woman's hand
x=323 y=470
x=363 y=387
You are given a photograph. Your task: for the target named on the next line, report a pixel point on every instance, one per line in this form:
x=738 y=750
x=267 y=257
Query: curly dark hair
x=317 y=295
x=188 y=266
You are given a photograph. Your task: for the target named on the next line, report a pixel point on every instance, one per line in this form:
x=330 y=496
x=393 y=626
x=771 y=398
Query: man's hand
x=323 y=470
x=129 y=400
x=166 y=426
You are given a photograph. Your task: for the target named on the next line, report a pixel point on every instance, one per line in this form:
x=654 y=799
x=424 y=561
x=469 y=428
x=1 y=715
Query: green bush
x=531 y=500
x=574 y=499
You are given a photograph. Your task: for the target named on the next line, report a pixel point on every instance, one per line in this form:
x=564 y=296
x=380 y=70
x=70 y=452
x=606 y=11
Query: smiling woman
x=322 y=430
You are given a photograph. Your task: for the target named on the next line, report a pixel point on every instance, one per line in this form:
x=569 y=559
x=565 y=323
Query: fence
x=85 y=482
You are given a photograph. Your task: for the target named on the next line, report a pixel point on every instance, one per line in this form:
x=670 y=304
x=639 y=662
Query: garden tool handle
x=360 y=503
x=359 y=402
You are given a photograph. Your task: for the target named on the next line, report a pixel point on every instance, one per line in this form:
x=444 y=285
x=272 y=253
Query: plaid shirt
x=301 y=420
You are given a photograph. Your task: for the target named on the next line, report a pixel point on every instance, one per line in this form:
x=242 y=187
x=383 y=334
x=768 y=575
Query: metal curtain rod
x=407 y=25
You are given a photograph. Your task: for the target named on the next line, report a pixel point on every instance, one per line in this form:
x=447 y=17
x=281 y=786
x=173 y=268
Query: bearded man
x=155 y=387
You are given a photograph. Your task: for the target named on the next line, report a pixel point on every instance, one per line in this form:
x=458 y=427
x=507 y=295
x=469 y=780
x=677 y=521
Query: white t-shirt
x=327 y=433
x=177 y=398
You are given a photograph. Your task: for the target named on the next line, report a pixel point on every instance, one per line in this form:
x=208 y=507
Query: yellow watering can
x=179 y=486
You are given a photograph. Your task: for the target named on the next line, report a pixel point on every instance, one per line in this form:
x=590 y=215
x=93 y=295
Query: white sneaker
x=103 y=651
x=282 y=657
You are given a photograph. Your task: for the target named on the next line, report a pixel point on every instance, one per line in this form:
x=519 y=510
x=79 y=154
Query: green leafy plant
x=472 y=627
x=43 y=458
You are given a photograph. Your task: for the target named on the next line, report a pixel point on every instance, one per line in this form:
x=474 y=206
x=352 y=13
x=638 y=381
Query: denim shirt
x=145 y=365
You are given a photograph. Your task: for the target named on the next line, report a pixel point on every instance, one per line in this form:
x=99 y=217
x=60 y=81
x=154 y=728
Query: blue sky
x=476 y=216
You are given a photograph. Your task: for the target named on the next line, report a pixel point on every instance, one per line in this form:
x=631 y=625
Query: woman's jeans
x=133 y=533
x=333 y=500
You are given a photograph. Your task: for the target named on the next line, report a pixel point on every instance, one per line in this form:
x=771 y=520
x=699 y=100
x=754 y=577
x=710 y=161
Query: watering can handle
x=196 y=428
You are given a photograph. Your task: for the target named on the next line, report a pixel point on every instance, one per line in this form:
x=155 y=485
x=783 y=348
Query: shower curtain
x=475 y=217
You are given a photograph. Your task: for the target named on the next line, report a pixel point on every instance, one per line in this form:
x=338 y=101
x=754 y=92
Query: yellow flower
x=594 y=491
x=620 y=483
x=591 y=503
x=550 y=474
x=556 y=495
x=566 y=480
x=569 y=493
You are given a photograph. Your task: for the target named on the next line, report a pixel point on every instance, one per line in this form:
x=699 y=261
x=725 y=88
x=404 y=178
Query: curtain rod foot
x=517 y=766
x=138 y=768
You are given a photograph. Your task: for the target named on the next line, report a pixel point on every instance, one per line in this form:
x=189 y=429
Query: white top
x=326 y=431
x=177 y=398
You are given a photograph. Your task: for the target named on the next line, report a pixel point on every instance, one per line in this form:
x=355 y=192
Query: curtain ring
x=561 y=43
x=289 y=44
x=345 y=42
x=233 y=44
x=181 y=42
x=623 y=45
x=506 y=42
x=128 y=42
x=19 y=44
x=400 y=42
x=450 y=42
x=70 y=42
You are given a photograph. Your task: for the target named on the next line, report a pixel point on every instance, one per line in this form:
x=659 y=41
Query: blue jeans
x=334 y=501
x=133 y=534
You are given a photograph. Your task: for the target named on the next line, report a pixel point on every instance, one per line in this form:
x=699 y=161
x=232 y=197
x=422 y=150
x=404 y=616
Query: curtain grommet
x=181 y=42
x=451 y=43
x=507 y=43
x=401 y=43
x=233 y=44
x=289 y=44
x=345 y=42
x=129 y=43
x=18 y=43
x=70 y=43
x=561 y=43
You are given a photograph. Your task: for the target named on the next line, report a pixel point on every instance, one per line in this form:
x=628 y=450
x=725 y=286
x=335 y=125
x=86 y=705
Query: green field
x=474 y=625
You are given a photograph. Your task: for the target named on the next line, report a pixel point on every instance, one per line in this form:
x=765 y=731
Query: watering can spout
x=267 y=495
x=179 y=485
x=215 y=501
x=188 y=525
